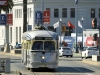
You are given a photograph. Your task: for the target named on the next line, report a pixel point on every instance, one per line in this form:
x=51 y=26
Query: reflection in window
x=92 y=13
x=37 y=45
x=48 y=45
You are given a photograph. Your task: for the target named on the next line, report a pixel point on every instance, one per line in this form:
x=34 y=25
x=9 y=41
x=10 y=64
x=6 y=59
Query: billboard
x=46 y=17
x=3 y=2
x=38 y=17
x=10 y=19
x=3 y=19
x=69 y=40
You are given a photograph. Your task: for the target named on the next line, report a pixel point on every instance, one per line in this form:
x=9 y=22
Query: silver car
x=65 y=51
x=88 y=52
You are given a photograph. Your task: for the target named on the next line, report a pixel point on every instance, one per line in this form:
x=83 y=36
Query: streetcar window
x=37 y=45
x=49 y=45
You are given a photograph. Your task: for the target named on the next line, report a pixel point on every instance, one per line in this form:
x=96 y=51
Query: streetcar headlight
x=43 y=57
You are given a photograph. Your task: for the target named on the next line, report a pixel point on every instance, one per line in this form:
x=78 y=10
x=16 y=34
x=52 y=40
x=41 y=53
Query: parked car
x=89 y=51
x=65 y=51
x=18 y=46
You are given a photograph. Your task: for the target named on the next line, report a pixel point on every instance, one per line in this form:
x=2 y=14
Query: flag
x=70 y=24
x=79 y=24
x=56 y=25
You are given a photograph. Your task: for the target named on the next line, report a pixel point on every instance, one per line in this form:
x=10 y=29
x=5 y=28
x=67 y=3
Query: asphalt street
x=66 y=66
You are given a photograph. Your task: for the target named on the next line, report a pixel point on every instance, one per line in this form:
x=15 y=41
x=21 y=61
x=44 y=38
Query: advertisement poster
x=69 y=40
x=89 y=41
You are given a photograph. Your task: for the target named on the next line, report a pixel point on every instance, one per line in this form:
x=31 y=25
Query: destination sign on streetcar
x=43 y=38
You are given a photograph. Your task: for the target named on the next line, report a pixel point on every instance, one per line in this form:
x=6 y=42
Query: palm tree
x=8 y=7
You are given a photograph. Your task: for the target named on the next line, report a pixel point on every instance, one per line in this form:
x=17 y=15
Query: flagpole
x=60 y=30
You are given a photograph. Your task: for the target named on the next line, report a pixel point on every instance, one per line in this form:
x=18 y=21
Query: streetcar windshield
x=37 y=45
x=48 y=45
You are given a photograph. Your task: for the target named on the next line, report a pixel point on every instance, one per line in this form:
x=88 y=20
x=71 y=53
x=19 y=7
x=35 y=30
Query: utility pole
x=7 y=47
x=76 y=23
x=42 y=10
x=24 y=15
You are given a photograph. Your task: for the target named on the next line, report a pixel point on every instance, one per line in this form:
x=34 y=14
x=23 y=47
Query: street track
x=66 y=66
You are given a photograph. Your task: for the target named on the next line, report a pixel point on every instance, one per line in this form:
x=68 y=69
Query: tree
x=7 y=7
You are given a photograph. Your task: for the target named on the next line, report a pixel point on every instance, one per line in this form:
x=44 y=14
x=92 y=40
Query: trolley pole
x=76 y=23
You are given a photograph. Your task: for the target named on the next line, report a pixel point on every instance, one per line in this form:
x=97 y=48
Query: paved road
x=67 y=66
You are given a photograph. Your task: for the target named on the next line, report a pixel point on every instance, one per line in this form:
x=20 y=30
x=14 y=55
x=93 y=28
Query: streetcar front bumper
x=44 y=64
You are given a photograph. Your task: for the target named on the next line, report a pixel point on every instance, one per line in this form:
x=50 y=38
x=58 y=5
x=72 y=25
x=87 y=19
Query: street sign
x=10 y=19
x=3 y=2
x=3 y=19
x=29 y=27
x=38 y=17
x=46 y=17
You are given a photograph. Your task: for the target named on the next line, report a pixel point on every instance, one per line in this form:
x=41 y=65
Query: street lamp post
x=60 y=30
x=82 y=31
x=76 y=23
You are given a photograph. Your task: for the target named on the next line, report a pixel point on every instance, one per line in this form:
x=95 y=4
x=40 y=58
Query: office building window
x=48 y=9
x=56 y=13
x=30 y=12
x=19 y=34
x=16 y=34
x=99 y=13
x=15 y=13
x=64 y=12
x=72 y=12
x=92 y=13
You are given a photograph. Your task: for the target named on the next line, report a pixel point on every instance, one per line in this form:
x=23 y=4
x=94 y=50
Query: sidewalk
x=90 y=61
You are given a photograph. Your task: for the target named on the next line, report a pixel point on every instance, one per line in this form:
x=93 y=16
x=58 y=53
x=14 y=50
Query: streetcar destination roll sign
x=43 y=38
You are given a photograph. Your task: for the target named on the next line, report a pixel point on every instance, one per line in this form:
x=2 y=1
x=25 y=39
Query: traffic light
x=94 y=23
x=95 y=37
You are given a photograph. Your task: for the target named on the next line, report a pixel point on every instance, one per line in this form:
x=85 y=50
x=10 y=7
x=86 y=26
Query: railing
x=5 y=65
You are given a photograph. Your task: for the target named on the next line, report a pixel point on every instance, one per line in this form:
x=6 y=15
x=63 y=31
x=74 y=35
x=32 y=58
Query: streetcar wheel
x=53 y=69
x=67 y=56
x=71 y=56
x=85 y=56
x=31 y=69
x=28 y=68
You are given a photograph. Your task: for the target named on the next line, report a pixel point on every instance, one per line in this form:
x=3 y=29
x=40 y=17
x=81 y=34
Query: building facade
x=65 y=9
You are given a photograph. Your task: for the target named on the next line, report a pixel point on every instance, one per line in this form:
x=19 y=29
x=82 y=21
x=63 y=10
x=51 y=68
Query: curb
x=97 y=63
